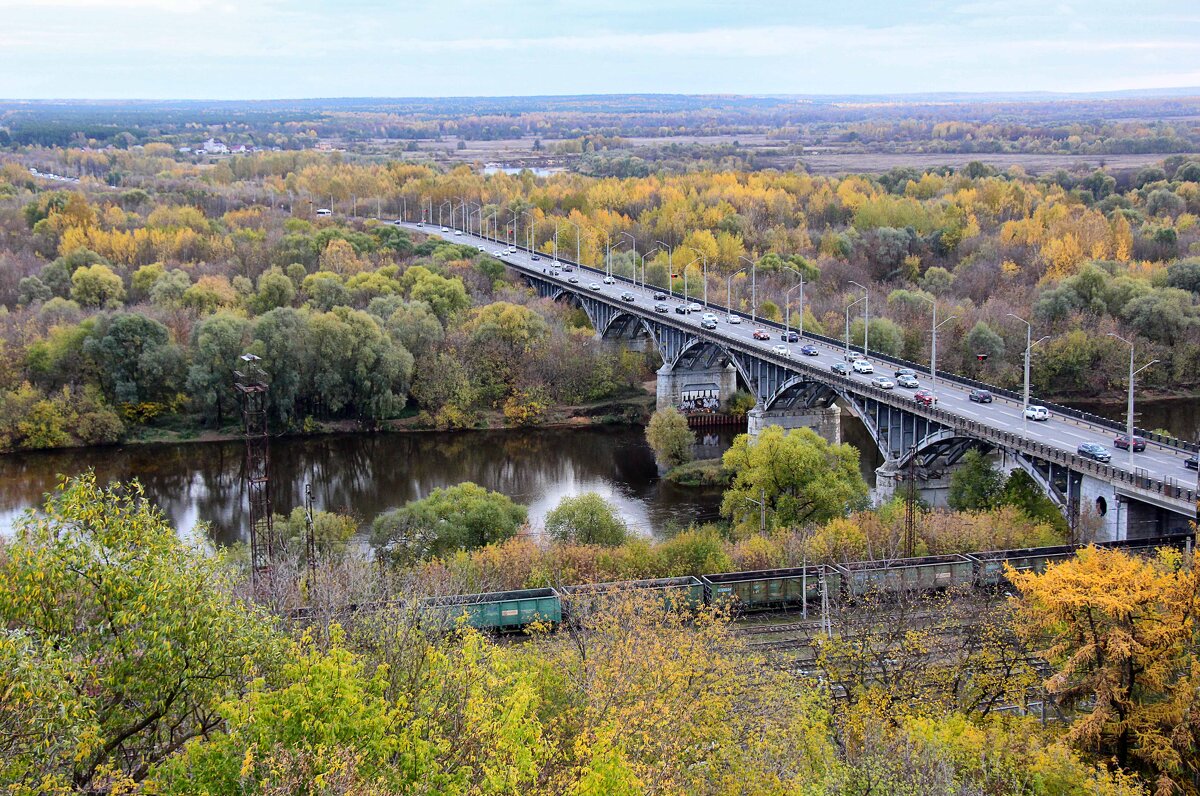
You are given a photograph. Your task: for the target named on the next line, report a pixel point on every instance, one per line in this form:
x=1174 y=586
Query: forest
x=124 y=297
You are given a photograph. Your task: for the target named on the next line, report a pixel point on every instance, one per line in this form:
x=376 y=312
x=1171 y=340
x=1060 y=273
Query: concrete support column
x=827 y=422
x=673 y=384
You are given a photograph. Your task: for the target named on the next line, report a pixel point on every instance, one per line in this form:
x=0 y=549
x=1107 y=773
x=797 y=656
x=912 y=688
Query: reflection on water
x=364 y=474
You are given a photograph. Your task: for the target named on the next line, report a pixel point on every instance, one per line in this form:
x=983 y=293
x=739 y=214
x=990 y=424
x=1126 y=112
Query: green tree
x=31 y=290
x=975 y=485
x=802 y=478
x=217 y=342
x=983 y=340
x=460 y=517
x=416 y=327
x=586 y=519
x=274 y=290
x=155 y=638
x=168 y=289
x=135 y=359
x=97 y=285
x=669 y=437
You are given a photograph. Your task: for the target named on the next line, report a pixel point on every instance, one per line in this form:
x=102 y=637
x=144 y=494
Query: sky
x=276 y=49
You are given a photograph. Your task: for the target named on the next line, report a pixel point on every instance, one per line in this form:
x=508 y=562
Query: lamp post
x=450 y=202
x=530 y=228
x=703 y=258
x=578 y=237
x=1028 y=353
x=632 y=245
x=644 y=256
x=753 y=285
x=685 y=279
x=848 y=306
x=670 y=267
x=729 y=289
x=933 y=341
x=787 y=303
x=866 y=316
x=1129 y=408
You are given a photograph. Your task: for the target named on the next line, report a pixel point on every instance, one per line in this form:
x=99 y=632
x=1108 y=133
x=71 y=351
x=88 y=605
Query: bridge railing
x=1114 y=426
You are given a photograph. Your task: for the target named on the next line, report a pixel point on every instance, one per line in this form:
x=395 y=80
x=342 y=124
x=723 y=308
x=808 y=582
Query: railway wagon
x=927 y=573
x=989 y=566
x=500 y=611
x=771 y=588
x=584 y=598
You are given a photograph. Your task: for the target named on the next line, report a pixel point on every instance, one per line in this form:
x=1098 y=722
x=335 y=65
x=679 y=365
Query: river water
x=365 y=474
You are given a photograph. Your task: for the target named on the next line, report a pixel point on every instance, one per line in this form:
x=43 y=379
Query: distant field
x=842 y=163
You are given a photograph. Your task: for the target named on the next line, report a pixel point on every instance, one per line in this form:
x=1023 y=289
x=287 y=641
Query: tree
x=135 y=359
x=155 y=639
x=586 y=519
x=217 y=342
x=975 y=485
x=802 y=478
x=97 y=285
x=460 y=517
x=1121 y=633
x=1184 y=274
x=275 y=289
x=669 y=437
x=416 y=327
x=982 y=340
x=31 y=290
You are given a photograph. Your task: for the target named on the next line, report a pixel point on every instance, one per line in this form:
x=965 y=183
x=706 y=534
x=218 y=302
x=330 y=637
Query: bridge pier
x=826 y=421
x=706 y=388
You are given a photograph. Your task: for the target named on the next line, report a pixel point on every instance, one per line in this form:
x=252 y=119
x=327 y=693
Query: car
x=733 y=319
x=789 y=337
x=708 y=316
x=554 y=272
x=419 y=223
x=1191 y=462
x=1093 y=450
x=445 y=229
x=497 y=253
x=1037 y=413
x=980 y=396
x=1122 y=442
x=883 y=383
x=660 y=307
x=925 y=398
x=782 y=351
x=482 y=248
x=610 y=280
x=809 y=350
x=534 y=257
x=458 y=232
x=908 y=381
x=681 y=309
x=512 y=249
x=694 y=307
x=399 y=223
x=862 y=366
x=761 y=334
x=592 y=286
x=660 y=296
x=904 y=372
x=840 y=368
x=574 y=280
x=708 y=323
x=568 y=267
x=627 y=296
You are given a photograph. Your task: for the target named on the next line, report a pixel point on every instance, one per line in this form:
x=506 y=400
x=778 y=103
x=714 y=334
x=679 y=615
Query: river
x=365 y=474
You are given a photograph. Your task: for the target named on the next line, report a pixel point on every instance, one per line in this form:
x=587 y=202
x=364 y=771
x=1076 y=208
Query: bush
x=586 y=519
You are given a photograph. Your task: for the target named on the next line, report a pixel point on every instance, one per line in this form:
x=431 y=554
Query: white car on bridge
x=1037 y=413
x=782 y=351
x=862 y=366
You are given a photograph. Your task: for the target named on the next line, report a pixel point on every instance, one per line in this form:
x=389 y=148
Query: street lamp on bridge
x=787 y=304
x=753 y=285
x=633 y=245
x=1129 y=408
x=848 y=307
x=704 y=258
x=933 y=341
x=866 y=316
x=1029 y=344
x=729 y=289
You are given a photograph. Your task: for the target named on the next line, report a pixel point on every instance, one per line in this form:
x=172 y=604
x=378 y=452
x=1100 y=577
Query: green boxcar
x=771 y=588
x=989 y=566
x=906 y=574
x=501 y=610
x=582 y=599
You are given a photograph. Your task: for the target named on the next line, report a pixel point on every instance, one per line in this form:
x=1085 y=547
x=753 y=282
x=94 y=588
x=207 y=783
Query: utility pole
x=1129 y=409
x=866 y=316
x=910 y=506
x=310 y=540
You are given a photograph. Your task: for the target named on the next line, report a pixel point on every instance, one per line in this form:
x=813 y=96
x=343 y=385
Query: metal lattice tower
x=251 y=385
x=910 y=507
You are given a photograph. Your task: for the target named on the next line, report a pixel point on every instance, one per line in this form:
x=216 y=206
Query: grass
x=700 y=473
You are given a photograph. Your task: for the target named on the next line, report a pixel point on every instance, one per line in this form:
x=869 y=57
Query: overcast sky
x=247 y=49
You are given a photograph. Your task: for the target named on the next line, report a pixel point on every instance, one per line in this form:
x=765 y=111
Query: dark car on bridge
x=980 y=396
x=789 y=337
x=681 y=309
x=660 y=307
x=1122 y=442
x=904 y=372
x=1093 y=450
x=1191 y=462
x=627 y=296
x=925 y=398
x=810 y=350
x=660 y=296
x=840 y=368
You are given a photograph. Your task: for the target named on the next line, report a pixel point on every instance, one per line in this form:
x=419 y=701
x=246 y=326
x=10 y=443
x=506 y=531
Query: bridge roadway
x=1160 y=464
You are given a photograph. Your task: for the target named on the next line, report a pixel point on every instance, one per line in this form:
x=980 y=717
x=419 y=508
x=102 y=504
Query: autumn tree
x=586 y=519
x=1120 y=632
x=670 y=437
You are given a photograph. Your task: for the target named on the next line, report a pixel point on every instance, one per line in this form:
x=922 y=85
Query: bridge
x=1143 y=495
